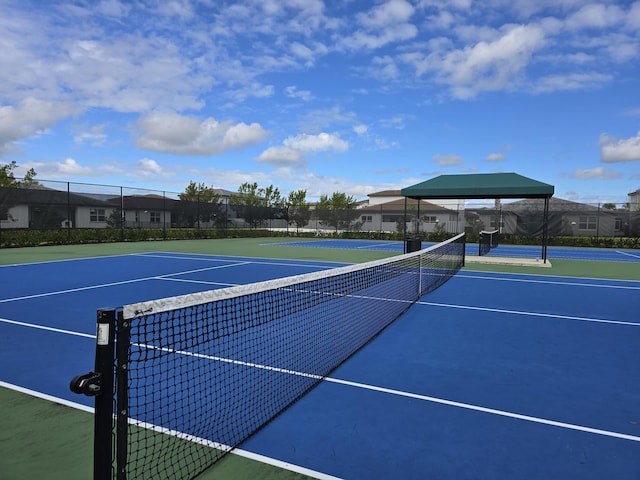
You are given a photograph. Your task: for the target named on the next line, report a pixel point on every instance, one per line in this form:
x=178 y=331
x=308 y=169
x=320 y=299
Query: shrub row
x=27 y=238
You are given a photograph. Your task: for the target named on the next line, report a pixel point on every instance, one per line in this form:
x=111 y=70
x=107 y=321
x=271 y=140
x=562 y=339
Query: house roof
x=44 y=196
x=398 y=206
x=386 y=193
x=480 y=185
x=555 y=204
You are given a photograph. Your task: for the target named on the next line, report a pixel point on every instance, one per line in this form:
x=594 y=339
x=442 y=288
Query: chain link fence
x=68 y=212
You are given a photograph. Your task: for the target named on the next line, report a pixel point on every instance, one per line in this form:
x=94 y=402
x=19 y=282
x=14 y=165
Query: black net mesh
x=207 y=370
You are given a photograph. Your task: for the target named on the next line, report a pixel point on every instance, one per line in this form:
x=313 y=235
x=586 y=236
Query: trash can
x=412 y=243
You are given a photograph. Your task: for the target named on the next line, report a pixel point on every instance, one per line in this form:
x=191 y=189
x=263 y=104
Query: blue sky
x=326 y=96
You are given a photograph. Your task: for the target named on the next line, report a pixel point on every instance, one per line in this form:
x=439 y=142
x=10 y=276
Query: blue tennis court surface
x=519 y=251
x=493 y=375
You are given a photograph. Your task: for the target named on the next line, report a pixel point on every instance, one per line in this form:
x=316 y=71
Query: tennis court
x=518 y=251
x=492 y=375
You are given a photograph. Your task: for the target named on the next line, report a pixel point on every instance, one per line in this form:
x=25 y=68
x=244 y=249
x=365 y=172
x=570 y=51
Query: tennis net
x=197 y=374
x=488 y=240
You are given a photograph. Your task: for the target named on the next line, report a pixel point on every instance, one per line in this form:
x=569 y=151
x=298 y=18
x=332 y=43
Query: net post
x=123 y=341
x=464 y=248
x=99 y=384
x=103 y=416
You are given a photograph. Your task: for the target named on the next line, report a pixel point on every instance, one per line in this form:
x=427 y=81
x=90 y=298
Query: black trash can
x=412 y=243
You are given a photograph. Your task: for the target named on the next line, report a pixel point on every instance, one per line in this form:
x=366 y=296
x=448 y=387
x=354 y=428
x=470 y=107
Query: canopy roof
x=479 y=185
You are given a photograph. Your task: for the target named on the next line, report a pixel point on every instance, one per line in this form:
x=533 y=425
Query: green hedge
x=27 y=238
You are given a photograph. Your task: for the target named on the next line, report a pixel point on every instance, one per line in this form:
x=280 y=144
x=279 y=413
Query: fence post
x=69 y=212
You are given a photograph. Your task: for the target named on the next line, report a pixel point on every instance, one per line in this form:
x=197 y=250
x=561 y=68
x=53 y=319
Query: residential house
x=39 y=207
x=385 y=212
x=566 y=218
x=634 y=201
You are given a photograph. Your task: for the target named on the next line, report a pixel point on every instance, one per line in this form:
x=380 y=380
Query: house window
x=429 y=219
x=96 y=215
x=367 y=218
x=619 y=224
x=587 y=222
x=154 y=217
x=393 y=218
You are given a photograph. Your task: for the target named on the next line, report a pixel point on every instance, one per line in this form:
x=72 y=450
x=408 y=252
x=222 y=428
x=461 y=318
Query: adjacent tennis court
x=518 y=251
x=492 y=375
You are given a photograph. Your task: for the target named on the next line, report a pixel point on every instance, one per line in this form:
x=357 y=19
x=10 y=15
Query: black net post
x=122 y=395
x=412 y=243
x=104 y=400
x=464 y=250
x=99 y=384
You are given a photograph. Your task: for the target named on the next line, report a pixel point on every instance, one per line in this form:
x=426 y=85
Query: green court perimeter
x=44 y=439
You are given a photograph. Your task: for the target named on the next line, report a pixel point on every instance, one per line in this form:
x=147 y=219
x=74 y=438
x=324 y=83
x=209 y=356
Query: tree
x=7 y=179
x=258 y=204
x=297 y=209
x=199 y=193
x=337 y=211
x=199 y=204
x=609 y=206
x=9 y=182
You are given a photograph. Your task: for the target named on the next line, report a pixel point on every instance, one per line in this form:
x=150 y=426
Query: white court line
x=491 y=411
x=427 y=398
x=239 y=452
x=554 y=282
x=113 y=284
x=48 y=329
x=400 y=393
x=44 y=396
x=68 y=260
x=375 y=245
x=256 y=261
x=627 y=253
x=530 y=314
x=539 y=275
x=201 y=282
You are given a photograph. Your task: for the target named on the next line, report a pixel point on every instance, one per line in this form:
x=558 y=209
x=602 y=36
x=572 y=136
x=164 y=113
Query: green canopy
x=484 y=185
x=479 y=185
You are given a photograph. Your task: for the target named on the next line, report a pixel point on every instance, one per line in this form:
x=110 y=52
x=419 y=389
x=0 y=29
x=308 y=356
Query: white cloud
x=489 y=66
x=595 y=173
x=293 y=92
x=596 y=16
x=496 y=157
x=150 y=169
x=360 y=129
x=281 y=156
x=254 y=89
x=319 y=120
x=94 y=136
x=388 y=13
x=448 y=160
x=187 y=135
x=176 y=8
x=373 y=40
x=316 y=143
x=614 y=150
x=570 y=81
x=294 y=150
x=633 y=17
x=385 y=23
x=28 y=118
x=384 y=68
x=66 y=168
x=113 y=8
